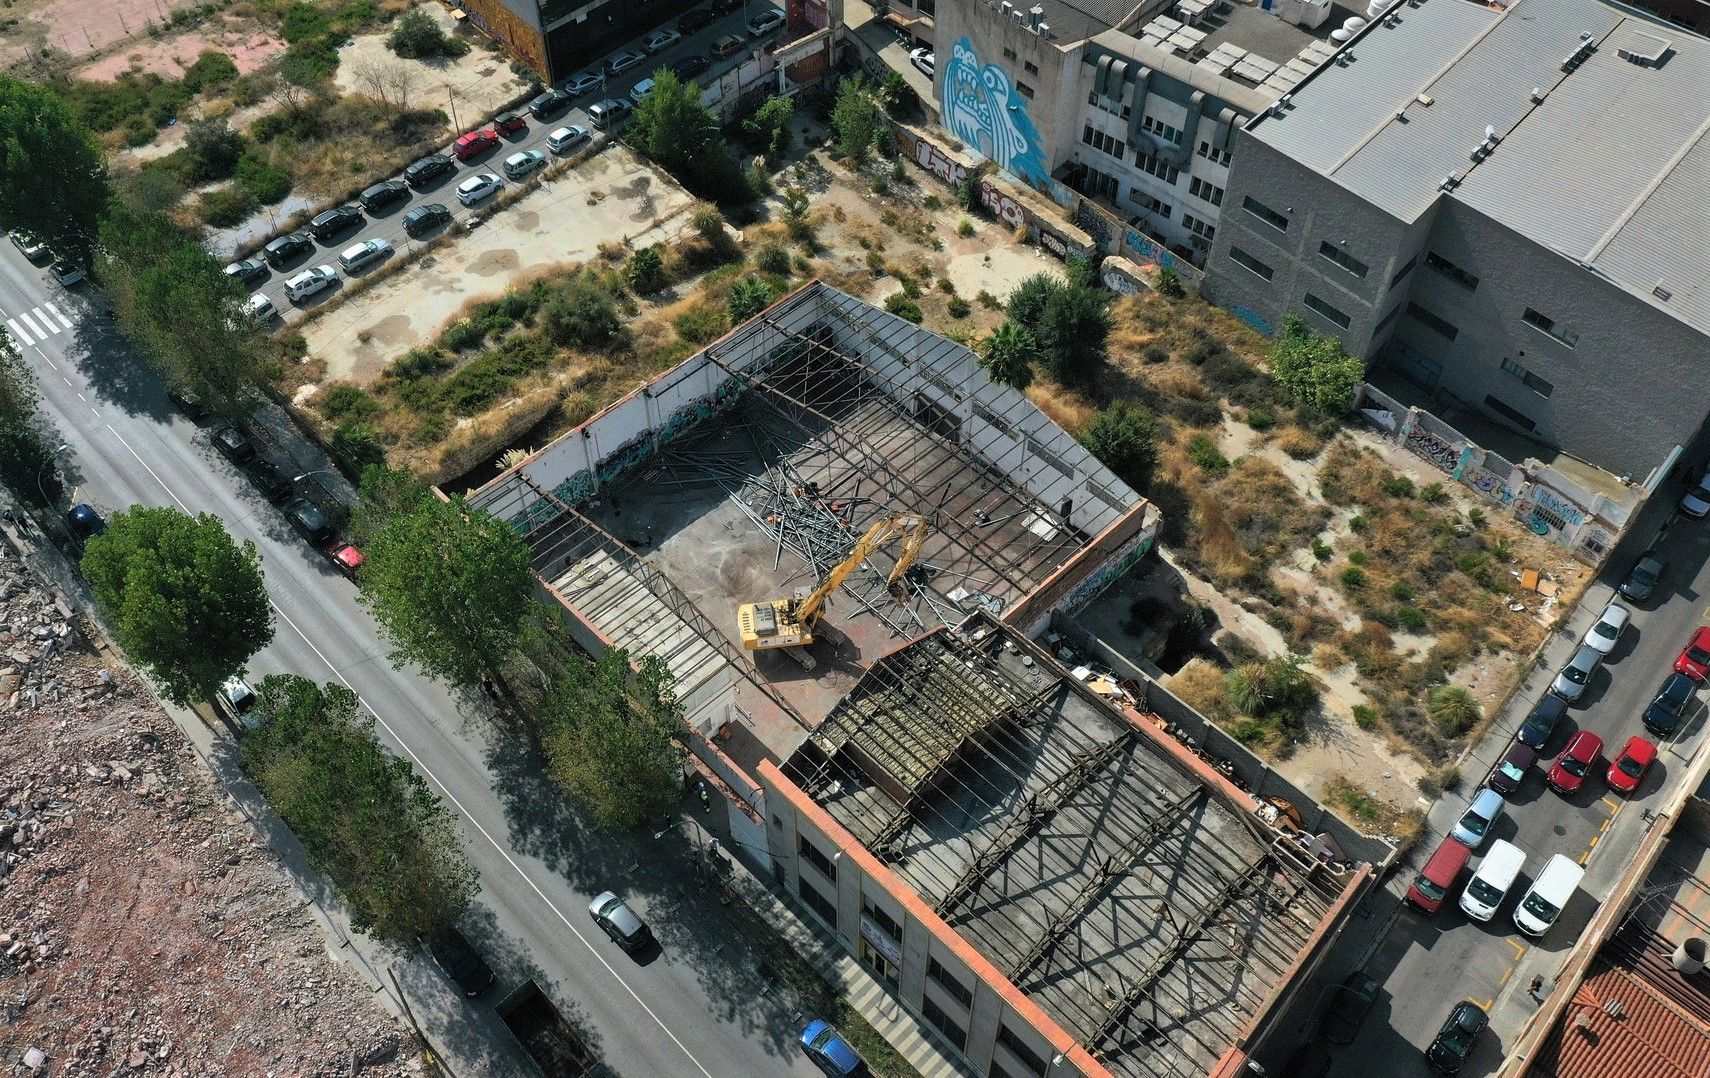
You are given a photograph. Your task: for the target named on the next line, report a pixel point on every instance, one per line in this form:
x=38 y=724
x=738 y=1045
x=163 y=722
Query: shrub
x=343 y=401
x=1476 y=517
x=1398 y=486
x=357 y=446
x=583 y=315
x=1124 y=438
x=1354 y=577
x=772 y=258
x=701 y=323
x=1366 y=717
x=987 y=300
x=646 y=270
x=1358 y=523
x=900 y=305
x=415 y=36
x=1170 y=284
x=464 y=334
x=747 y=298
x=1411 y=618
x=1315 y=370
x=1356 y=557
x=1401 y=591
x=226 y=207
x=964 y=228
x=213 y=150
x=1453 y=709
x=1204 y=452
x=1320 y=549
x=1261 y=418
x=957 y=307
x=1433 y=494
x=910 y=286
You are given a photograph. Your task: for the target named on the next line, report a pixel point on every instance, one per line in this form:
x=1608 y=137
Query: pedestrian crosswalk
x=38 y=323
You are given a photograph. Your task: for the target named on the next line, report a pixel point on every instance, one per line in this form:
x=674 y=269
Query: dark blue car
x=828 y=1048
x=1670 y=706
x=85 y=523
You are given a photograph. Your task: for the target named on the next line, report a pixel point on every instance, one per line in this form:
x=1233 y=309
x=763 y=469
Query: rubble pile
x=144 y=927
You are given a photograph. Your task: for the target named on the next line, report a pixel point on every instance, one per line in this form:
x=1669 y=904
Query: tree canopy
x=366 y=819
x=53 y=175
x=613 y=738
x=186 y=603
x=1010 y=355
x=1314 y=368
x=1125 y=439
x=856 y=118
x=672 y=127
x=1069 y=321
x=748 y=297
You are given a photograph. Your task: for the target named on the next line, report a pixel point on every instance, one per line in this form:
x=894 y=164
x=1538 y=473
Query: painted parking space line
x=1614 y=805
x=1520 y=949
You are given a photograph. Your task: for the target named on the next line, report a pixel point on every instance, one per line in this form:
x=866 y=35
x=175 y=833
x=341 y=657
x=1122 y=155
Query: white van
x=1490 y=884
x=1544 y=900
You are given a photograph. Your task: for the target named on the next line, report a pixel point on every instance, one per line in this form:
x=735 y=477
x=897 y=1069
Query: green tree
x=415 y=36
x=53 y=176
x=1277 y=691
x=1170 y=284
x=1453 y=709
x=582 y=314
x=1071 y=322
x=1010 y=355
x=1125 y=439
x=1315 y=369
x=185 y=601
x=27 y=465
x=769 y=127
x=367 y=820
x=646 y=270
x=671 y=125
x=748 y=297
x=448 y=583
x=213 y=148
x=896 y=95
x=18 y=395
x=613 y=738
x=856 y=118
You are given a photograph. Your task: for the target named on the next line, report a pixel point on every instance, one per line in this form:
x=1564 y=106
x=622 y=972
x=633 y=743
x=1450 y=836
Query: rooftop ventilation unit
x=1537 y=95
x=1045 y=31
x=1006 y=8
x=1662 y=293
x=1450 y=182
x=1646 y=50
x=1035 y=15
x=1578 y=55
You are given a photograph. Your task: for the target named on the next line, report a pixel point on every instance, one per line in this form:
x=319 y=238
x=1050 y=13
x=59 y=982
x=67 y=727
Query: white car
x=567 y=138
x=358 y=255
x=312 y=280
x=69 y=273
x=581 y=84
x=765 y=22
x=660 y=40
x=476 y=188
x=1696 y=501
x=259 y=309
x=641 y=92
x=1603 y=635
x=923 y=60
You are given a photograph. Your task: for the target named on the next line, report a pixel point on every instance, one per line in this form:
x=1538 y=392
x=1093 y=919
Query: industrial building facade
x=1507 y=206
x=557 y=38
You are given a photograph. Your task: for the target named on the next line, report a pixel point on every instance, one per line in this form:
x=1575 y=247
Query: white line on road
x=44 y=334
x=446 y=790
x=18 y=331
x=55 y=311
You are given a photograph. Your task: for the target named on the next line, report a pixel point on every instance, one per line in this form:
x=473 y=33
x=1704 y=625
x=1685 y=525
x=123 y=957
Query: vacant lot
x=169 y=56
x=78 y=28
x=472 y=86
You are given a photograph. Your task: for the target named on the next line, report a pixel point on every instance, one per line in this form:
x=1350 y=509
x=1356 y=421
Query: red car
x=1694 y=662
x=509 y=123
x=475 y=142
x=1629 y=768
x=1575 y=762
x=346 y=557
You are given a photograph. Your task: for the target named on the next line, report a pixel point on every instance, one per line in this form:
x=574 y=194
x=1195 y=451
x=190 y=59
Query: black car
x=1347 y=1007
x=330 y=223
x=383 y=194
x=284 y=250
x=1509 y=774
x=247 y=271
x=307 y=518
x=421 y=220
x=1308 y=1061
x=698 y=19
x=461 y=962
x=233 y=445
x=689 y=66
x=191 y=407
x=274 y=484
x=1671 y=705
x=1644 y=577
x=550 y=103
x=1541 y=722
x=725 y=7
x=509 y=123
x=428 y=169
x=85 y=523
x=1455 y=1041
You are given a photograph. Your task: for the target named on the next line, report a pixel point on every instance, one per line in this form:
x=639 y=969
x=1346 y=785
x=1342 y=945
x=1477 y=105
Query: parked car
x=660 y=40
x=420 y=220
x=688 y=67
x=1644 y=577
x=1670 y=705
x=383 y=194
x=365 y=253
x=478 y=187
x=329 y=223
x=1629 y=768
x=1541 y=722
x=346 y=559
x=66 y=272
x=233 y=445
x=827 y=1048
x=1438 y=877
x=1607 y=630
x=311 y=281
x=274 y=484
x=1489 y=885
x=1696 y=502
x=259 y=309
x=523 y=162
x=1509 y=774
x=765 y=23
x=32 y=246
x=587 y=81
x=697 y=19
x=190 y=406
x=1484 y=809
x=618 y=921
x=1570 y=683
x=1308 y=1061
x=1454 y=1043
x=727 y=46
x=567 y=138
x=428 y=169
x=640 y=92
x=608 y=113
x=283 y=250
x=461 y=962
x=237 y=699
x=923 y=60
x=725 y=7
x=247 y=270
x=1549 y=894
x=1694 y=660
x=307 y=518
x=84 y=522
x=1575 y=761
x=550 y=103
x=1348 y=1005
x=624 y=59
x=474 y=143
x=509 y=123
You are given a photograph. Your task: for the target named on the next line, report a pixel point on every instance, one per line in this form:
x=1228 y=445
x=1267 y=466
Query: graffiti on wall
x=1433 y=449
x=1094 y=224
x=1004 y=208
x=1551 y=502
x=982 y=109
x=1252 y=318
x=1117 y=564
x=1492 y=487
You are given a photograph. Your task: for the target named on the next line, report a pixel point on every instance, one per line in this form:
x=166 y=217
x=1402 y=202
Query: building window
x=943 y=978
x=1098 y=140
x=1383 y=323
x=1404 y=271
x=1026 y=90
x=817 y=902
x=1008 y=53
x=1150 y=203
x=885 y=921
x=1161 y=129
x=1025 y=1055
x=1344 y=259
x=955 y=1034
x=1531 y=381
x=1204 y=189
x=1546 y=324
x=1265 y=213
x=1426 y=318
x=1451 y=271
x=1513 y=415
x=1213 y=154
x=1247 y=261
x=1155 y=166
x=1327 y=312
x=1030 y=67
x=1100 y=184
x=1198 y=227
x=816 y=857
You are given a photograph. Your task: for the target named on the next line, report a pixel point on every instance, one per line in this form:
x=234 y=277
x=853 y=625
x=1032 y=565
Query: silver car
x=618 y=921
x=1576 y=675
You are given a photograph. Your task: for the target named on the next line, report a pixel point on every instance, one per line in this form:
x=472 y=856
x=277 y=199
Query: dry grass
x=1369 y=813
x=1065 y=407
x=1199 y=684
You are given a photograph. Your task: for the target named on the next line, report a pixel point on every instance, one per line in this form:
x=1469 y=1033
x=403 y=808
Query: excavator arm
x=790 y=622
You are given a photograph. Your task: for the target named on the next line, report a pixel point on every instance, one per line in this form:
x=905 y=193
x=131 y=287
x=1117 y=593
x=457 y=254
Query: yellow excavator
x=789 y=623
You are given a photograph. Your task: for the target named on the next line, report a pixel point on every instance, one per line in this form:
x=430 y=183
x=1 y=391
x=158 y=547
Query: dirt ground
x=144 y=926
x=80 y=28
x=473 y=86
x=168 y=57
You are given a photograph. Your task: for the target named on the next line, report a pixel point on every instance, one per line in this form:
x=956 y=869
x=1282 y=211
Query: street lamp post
x=451 y=97
x=317 y=471
x=41 y=473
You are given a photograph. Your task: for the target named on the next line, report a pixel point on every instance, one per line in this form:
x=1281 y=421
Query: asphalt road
x=387 y=224
x=695 y=1008
x=1427 y=963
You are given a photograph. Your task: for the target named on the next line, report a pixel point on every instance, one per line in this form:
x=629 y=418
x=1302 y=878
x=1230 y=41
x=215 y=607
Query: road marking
x=24 y=317
x=444 y=789
x=1503 y=980
x=55 y=311
x=1605 y=826
x=1614 y=805
x=18 y=331
x=1584 y=857
x=1486 y=1005
x=1519 y=949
